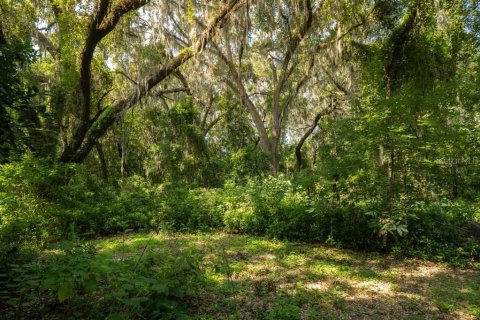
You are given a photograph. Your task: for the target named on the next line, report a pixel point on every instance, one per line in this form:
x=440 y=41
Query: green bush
x=69 y=279
x=278 y=208
x=436 y=230
x=209 y=209
x=41 y=202
x=181 y=208
x=347 y=227
x=241 y=219
x=293 y=218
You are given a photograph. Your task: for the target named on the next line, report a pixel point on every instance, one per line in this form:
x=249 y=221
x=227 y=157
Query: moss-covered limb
x=97 y=129
x=99 y=122
x=168 y=68
x=395 y=46
x=300 y=164
x=103 y=21
x=109 y=115
x=89 y=132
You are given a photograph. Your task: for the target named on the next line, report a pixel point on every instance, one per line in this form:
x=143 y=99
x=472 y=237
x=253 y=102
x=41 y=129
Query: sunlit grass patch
x=247 y=277
x=326 y=283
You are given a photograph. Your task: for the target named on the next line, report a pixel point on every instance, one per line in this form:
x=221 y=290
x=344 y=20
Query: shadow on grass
x=255 y=278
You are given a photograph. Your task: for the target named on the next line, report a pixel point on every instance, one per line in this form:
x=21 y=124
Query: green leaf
x=159 y=288
x=90 y=285
x=128 y=286
x=135 y=301
x=65 y=291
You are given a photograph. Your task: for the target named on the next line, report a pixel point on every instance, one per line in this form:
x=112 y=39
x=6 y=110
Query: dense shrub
x=242 y=219
x=67 y=282
x=278 y=208
x=437 y=230
x=40 y=202
x=181 y=208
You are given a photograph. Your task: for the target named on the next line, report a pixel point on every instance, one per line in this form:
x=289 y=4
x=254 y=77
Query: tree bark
x=279 y=109
x=3 y=40
x=103 y=161
x=122 y=152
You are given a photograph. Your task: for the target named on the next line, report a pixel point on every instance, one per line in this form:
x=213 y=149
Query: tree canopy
x=286 y=67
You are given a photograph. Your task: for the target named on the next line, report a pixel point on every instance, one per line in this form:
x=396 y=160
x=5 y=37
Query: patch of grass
x=285 y=310
x=444 y=306
x=319 y=313
x=245 y=277
x=366 y=273
x=475 y=312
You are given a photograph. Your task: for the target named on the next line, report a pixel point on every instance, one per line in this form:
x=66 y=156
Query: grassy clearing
x=254 y=278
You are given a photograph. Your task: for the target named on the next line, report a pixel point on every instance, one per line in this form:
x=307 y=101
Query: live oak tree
x=270 y=56
x=104 y=20
x=63 y=39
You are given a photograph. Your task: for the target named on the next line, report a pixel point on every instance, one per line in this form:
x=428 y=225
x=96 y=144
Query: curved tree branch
x=89 y=132
x=102 y=23
x=298 y=148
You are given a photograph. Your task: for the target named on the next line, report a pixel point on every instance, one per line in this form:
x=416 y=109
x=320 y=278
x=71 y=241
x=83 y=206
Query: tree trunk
x=123 y=160
x=274 y=158
x=269 y=144
x=103 y=162
x=3 y=39
x=391 y=175
x=314 y=154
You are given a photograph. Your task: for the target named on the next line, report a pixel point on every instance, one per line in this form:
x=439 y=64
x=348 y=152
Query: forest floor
x=254 y=278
